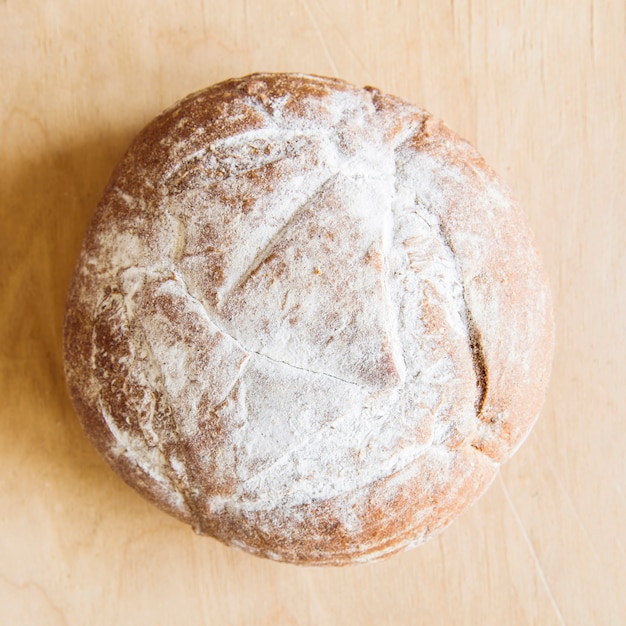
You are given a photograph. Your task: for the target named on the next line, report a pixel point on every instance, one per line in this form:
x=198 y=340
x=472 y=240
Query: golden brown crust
x=307 y=319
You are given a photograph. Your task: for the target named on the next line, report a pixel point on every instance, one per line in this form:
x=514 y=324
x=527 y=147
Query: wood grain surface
x=539 y=87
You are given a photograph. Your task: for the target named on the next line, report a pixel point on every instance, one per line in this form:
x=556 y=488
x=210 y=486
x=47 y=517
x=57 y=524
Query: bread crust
x=307 y=319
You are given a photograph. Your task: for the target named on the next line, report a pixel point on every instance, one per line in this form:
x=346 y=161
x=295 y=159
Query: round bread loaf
x=307 y=319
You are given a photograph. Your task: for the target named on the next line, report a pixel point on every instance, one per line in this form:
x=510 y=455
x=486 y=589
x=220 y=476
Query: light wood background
x=539 y=87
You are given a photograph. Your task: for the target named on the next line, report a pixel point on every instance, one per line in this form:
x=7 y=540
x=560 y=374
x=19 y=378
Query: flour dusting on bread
x=311 y=319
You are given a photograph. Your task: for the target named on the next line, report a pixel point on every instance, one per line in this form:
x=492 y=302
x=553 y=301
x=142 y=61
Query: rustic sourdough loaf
x=307 y=319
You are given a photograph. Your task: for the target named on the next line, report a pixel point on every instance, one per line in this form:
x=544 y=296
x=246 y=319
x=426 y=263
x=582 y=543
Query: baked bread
x=307 y=319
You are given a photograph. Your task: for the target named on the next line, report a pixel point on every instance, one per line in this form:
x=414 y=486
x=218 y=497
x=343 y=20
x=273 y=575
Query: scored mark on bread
x=473 y=332
x=480 y=362
x=165 y=427
x=263 y=254
x=302 y=443
x=214 y=163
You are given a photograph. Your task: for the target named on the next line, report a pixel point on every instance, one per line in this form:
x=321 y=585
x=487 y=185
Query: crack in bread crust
x=178 y=277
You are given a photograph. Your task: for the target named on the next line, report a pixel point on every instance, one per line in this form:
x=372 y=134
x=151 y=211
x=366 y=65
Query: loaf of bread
x=307 y=319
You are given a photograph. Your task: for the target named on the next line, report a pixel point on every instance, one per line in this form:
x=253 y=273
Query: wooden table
x=540 y=91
